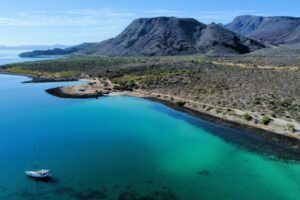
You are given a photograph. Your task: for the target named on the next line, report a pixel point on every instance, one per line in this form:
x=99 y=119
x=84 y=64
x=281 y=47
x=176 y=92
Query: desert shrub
x=180 y=103
x=129 y=86
x=218 y=110
x=247 y=117
x=265 y=120
x=257 y=101
x=291 y=127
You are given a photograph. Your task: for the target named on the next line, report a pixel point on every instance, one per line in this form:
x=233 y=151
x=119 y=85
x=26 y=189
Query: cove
x=128 y=148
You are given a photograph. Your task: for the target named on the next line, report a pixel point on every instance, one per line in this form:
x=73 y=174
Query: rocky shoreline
x=93 y=88
x=284 y=141
x=58 y=92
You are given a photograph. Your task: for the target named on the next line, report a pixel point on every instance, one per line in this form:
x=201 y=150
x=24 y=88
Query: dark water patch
x=91 y=194
x=52 y=181
x=150 y=181
x=39 y=180
x=25 y=194
x=64 y=190
x=163 y=193
x=270 y=145
x=128 y=195
x=204 y=173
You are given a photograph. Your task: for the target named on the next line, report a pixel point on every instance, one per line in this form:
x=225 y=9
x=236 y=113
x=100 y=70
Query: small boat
x=42 y=174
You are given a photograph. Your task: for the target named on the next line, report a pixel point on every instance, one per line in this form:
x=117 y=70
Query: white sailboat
x=39 y=174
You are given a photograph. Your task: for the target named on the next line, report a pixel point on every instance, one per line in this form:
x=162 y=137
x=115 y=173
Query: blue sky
x=75 y=21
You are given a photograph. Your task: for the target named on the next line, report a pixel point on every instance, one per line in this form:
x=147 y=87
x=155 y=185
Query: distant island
x=30 y=47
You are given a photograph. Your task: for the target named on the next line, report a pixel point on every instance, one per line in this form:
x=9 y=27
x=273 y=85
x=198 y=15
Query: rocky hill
x=274 y=30
x=164 y=36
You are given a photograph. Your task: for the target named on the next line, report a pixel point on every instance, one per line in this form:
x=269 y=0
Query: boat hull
x=37 y=175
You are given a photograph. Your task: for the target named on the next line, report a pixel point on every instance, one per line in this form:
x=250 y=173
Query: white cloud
x=80 y=17
x=82 y=25
x=104 y=16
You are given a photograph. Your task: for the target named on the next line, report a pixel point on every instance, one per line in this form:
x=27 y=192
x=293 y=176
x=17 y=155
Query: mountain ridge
x=276 y=30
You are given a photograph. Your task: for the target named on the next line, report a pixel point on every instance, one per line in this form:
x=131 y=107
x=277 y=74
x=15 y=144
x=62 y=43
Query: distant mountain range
x=162 y=36
x=30 y=47
x=172 y=36
x=273 y=30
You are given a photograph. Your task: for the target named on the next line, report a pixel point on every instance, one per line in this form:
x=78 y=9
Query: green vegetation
x=126 y=79
x=20 y=70
x=104 y=66
x=28 y=71
x=247 y=117
x=128 y=82
x=265 y=120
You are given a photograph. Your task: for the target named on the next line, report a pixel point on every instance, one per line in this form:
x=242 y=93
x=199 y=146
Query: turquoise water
x=12 y=56
x=128 y=148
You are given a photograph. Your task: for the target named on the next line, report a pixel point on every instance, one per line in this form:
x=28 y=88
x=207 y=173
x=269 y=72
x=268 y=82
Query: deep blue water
x=126 y=148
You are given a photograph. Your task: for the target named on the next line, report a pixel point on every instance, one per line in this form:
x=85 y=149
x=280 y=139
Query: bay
x=127 y=148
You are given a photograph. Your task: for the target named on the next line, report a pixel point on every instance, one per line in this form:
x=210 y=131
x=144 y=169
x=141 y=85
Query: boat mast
x=35 y=162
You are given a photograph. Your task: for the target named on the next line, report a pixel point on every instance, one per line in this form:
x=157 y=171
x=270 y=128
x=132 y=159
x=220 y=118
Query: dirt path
x=285 y=68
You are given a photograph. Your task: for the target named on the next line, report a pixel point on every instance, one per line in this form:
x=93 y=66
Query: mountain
x=162 y=36
x=274 y=30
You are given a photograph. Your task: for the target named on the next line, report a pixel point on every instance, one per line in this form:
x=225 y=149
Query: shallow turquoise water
x=128 y=148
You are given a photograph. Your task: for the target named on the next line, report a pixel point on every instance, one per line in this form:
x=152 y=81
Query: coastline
x=103 y=87
x=283 y=140
x=37 y=79
x=292 y=143
x=49 y=80
x=58 y=92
